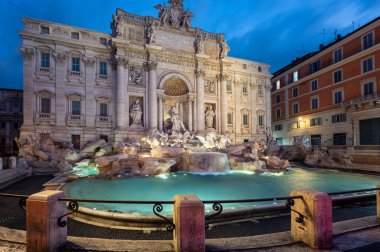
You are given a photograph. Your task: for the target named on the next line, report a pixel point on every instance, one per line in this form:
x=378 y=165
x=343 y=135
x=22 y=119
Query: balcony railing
x=74 y=73
x=45 y=117
x=45 y=69
x=103 y=121
x=375 y=97
x=75 y=120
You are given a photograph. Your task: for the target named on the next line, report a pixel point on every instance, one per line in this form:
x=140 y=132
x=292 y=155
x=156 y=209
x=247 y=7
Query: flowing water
x=214 y=186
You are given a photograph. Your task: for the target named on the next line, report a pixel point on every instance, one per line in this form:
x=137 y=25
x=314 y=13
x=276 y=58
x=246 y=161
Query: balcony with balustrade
x=103 y=121
x=359 y=102
x=44 y=118
x=75 y=120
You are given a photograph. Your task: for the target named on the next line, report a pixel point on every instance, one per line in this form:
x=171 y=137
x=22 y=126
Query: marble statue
x=135 y=75
x=178 y=125
x=198 y=43
x=222 y=47
x=136 y=113
x=163 y=14
x=150 y=30
x=210 y=118
x=185 y=22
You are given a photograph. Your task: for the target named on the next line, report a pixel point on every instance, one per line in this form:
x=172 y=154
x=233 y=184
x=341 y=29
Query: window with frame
x=295 y=76
x=3 y=141
x=368 y=40
x=75 y=107
x=367 y=65
x=338 y=55
x=295 y=108
x=261 y=120
x=260 y=69
x=245 y=120
x=315 y=122
x=44 y=29
x=245 y=88
x=338 y=97
x=2 y=106
x=3 y=95
x=104 y=109
x=230 y=118
x=260 y=90
x=368 y=88
x=45 y=59
x=245 y=66
x=295 y=92
x=278 y=98
x=103 y=68
x=103 y=41
x=3 y=125
x=278 y=84
x=339 y=118
x=314 y=85
x=75 y=140
x=75 y=64
x=75 y=35
x=338 y=76
x=15 y=125
x=314 y=103
x=314 y=67
x=278 y=113
x=278 y=127
x=229 y=86
x=45 y=105
x=103 y=137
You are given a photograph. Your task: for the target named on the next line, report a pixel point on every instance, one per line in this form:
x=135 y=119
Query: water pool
x=223 y=186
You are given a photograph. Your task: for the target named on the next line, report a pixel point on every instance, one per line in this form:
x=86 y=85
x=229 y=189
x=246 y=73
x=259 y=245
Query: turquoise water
x=235 y=185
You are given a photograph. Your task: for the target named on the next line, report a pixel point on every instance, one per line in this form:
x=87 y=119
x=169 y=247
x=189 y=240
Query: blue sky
x=269 y=31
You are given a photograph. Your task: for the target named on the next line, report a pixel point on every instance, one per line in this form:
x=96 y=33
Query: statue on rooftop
x=163 y=14
x=186 y=16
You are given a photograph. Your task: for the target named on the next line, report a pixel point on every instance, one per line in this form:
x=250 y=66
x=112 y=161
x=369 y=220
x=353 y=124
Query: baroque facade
x=81 y=84
x=331 y=95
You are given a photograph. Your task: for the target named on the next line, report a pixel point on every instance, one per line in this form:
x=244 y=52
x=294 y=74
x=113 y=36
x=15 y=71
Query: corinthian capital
x=89 y=60
x=59 y=57
x=27 y=53
x=121 y=60
x=199 y=73
x=150 y=66
x=222 y=77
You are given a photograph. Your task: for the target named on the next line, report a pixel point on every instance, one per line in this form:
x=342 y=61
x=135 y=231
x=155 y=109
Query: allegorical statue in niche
x=209 y=118
x=178 y=125
x=136 y=112
x=136 y=76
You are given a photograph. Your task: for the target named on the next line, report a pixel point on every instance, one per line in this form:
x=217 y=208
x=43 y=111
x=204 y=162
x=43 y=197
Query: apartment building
x=331 y=95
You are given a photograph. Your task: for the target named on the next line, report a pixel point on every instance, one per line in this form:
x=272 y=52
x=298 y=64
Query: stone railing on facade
x=103 y=121
x=134 y=18
x=357 y=102
x=44 y=117
x=75 y=120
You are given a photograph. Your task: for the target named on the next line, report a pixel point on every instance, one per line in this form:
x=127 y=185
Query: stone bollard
x=12 y=163
x=378 y=202
x=42 y=212
x=315 y=230
x=1 y=164
x=189 y=221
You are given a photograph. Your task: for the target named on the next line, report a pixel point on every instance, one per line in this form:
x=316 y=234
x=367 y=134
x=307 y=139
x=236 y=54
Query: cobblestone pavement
x=11 y=216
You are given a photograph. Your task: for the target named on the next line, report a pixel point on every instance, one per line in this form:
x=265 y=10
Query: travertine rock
x=204 y=162
x=167 y=152
x=274 y=163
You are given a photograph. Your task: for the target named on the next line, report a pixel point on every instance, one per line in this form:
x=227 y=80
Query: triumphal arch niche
x=171 y=66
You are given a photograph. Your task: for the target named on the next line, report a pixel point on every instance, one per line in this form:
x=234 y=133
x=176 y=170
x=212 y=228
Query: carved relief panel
x=210 y=87
x=136 y=76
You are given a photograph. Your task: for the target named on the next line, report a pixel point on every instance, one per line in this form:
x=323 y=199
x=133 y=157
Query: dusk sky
x=269 y=31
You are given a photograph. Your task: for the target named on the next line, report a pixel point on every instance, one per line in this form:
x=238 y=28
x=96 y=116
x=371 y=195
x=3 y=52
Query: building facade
x=10 y=120
x=332 y=95
x=81 y=84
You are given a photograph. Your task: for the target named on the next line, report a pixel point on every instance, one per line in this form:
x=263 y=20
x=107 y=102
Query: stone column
x=195 y=120
x=60 y=109
x=315 y=228
x=253 y=109
x=190 y=111
x=151 y=67
x=200 y=100
x=160 y=114
x=121 y=62
x=238 y=116
x=181 y=111
x=90 y=103
x=268 y=96
x=223 y=102
x=42 y=212
x=1 y=164
x=189 y=221
x=29 y=102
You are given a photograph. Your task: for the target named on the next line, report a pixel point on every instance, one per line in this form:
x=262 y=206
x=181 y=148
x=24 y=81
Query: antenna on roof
x=323 y=36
